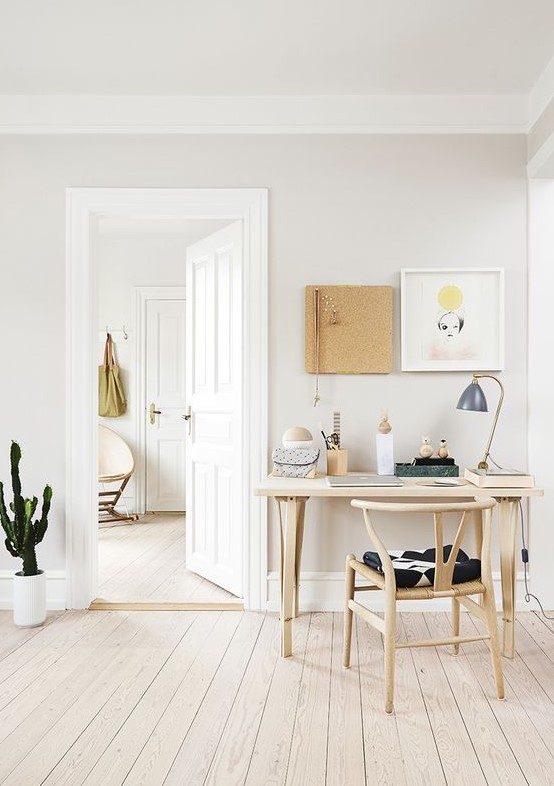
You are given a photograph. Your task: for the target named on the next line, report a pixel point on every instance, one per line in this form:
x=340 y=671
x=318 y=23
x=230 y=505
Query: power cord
x=525 y=559
x=524 y=552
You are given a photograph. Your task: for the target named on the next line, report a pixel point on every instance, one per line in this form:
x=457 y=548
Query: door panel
x=214 y=391
x=166 y=389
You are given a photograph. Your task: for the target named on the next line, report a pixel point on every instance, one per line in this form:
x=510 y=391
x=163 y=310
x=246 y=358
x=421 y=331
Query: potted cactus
x=22 y=536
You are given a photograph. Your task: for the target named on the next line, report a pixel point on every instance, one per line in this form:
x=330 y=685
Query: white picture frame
x=452 y=319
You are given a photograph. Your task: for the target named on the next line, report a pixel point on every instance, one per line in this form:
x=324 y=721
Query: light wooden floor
x=106 y=698
x=145 y=561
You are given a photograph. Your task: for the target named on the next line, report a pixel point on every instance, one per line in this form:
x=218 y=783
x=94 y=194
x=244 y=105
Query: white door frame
x=84 y=207
x=142 y=296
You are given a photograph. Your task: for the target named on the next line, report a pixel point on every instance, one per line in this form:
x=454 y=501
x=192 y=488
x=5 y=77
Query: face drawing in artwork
x=450 y=324
x=447 y=343
x=450 y=298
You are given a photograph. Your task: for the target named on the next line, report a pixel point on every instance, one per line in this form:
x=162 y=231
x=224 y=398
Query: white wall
x=343 y=209
x=124 y=263
x=541 y=422
x=398 y=203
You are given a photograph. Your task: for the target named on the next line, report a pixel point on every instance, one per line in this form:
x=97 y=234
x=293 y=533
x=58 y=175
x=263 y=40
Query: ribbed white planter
x=29 y=599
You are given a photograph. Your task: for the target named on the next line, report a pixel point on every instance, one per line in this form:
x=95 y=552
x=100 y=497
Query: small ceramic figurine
x=425 y=449
x=384 y=445
x=442 y=450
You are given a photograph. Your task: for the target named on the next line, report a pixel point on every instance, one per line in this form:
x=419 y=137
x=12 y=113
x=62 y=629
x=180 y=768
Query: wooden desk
x=294 y=493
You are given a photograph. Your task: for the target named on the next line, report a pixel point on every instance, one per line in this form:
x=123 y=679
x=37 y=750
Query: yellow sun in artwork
x=450 y=297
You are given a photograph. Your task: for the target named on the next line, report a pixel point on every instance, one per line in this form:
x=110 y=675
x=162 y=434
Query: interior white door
x=214 y=471
x=165 y=405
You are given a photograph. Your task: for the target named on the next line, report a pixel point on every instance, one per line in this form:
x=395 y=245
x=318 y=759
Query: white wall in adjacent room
x=130 y=254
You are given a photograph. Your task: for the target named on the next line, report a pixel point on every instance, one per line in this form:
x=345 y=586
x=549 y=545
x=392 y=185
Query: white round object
x=297 y=437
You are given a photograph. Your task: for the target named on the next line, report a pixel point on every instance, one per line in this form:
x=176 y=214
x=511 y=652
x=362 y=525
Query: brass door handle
x=188 y=418
x=153 y=412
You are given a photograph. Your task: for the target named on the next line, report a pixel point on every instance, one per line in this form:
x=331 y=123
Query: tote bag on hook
x=111 y=396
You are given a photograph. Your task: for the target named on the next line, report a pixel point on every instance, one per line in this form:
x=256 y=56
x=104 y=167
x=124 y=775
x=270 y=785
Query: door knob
x=188 y=418
x=153 y=412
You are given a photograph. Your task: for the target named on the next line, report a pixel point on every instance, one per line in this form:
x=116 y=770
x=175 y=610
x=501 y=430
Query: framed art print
x=452 y=319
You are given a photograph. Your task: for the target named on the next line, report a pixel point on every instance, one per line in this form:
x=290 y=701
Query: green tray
x=409 y=470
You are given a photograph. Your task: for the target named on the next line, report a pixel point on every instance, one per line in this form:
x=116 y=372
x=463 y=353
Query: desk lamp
x=473 y=399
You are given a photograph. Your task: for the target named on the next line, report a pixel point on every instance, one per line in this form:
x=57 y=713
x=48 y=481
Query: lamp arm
x=483 y=464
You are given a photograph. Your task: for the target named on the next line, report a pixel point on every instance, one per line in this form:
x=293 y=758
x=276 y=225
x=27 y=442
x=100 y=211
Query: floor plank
x=202 y=738
x=419 y=752
x=202 y=697
x=232 y=758
x=270 y=757
x=142 y=674
x=171 y=701
x=534 y=757
x=145 y=561
x=345 y=749
x=383 y=756
x=495 y=755
x=66 y=711
x=308 y=753
x=457 y=755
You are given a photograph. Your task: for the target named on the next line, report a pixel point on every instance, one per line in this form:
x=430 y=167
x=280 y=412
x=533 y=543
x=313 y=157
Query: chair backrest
x=481 y=509
x=115 y=460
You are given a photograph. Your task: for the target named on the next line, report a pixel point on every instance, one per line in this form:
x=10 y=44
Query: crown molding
x=375 y=114
x=541 y=164
x=542 y=94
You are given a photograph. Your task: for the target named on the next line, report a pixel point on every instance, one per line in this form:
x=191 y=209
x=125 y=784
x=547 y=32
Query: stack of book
x=499 y=479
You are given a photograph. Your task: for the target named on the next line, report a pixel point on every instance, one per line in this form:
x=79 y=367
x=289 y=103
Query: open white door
x=214 y=472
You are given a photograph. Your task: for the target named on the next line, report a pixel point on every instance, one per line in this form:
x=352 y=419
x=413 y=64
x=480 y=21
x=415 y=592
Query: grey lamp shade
x=473 y=399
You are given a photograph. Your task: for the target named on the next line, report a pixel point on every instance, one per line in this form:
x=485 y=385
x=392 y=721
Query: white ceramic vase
x=29 y=599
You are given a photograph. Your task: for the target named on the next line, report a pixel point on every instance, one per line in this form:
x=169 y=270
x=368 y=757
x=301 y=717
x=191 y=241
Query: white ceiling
x=274 y=47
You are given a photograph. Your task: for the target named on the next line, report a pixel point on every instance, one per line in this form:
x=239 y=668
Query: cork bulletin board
x=348 y=329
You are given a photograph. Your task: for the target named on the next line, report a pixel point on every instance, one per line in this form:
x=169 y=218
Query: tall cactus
x=22 y=535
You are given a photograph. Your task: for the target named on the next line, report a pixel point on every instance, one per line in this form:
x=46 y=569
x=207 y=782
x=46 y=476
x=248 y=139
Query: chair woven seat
x=456 y=591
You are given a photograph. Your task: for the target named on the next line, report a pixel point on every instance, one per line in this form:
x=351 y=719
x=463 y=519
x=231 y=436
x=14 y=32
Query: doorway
x=86 y=207
x=144 y=561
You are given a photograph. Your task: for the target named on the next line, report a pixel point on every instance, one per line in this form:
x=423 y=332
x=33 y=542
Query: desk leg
x=507 y=515
x=291 y=550
x=300 y=511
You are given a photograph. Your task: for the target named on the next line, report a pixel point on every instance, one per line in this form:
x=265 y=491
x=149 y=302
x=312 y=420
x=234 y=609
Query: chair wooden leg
x=456 y=622
x=389 y=641
x=494 y=643
x=349 y=595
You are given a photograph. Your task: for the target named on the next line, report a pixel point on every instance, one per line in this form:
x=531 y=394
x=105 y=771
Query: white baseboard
x=55 y=589
x=318 y=592
x=325 y=592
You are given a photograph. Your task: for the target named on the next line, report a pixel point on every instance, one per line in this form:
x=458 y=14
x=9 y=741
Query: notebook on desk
x=365 y=481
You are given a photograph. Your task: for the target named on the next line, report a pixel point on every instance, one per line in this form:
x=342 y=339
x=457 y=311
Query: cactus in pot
x=22 y=533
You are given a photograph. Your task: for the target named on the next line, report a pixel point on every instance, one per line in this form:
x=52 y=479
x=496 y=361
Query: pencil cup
x=337 y=462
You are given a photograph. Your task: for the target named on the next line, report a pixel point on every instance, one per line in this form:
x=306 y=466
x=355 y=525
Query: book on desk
x=500 y=479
